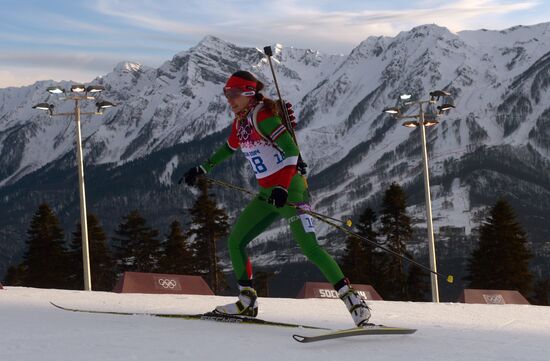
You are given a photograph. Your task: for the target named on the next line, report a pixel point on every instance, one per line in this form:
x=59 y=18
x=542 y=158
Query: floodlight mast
x=423 y=123
x=429 y=217
x=76 y=90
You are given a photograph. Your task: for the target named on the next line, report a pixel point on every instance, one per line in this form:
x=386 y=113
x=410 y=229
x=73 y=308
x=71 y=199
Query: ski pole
x=269 y=53
x=347 y=222
x=328 y=220
x=449 y=278
x=301 y=164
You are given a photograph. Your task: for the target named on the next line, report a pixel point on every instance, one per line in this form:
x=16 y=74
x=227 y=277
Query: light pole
x=78 y=93
x=422 y=122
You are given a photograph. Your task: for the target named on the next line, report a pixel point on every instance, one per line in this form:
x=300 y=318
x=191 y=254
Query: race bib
x=306 y=219
x=307 y=223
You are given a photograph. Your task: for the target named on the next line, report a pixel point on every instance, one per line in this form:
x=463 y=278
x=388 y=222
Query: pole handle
x=268 y=51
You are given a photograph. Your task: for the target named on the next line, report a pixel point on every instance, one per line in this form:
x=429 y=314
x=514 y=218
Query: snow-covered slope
x=34 y=330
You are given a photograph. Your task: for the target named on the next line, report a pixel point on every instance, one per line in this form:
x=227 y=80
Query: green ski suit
x=259 y=214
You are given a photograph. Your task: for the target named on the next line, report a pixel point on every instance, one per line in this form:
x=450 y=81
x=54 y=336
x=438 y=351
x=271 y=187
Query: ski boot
x=356 y=304
x=247 y=305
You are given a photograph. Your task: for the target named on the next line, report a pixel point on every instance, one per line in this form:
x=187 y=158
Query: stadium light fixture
x=103 y=105
x=411 y=124
x=55 y=90
x=78 y=88
x=431 y=122
x=392 y=110
x=95 y=88
x=45 y=106
x=444 y=108
x=439 y=93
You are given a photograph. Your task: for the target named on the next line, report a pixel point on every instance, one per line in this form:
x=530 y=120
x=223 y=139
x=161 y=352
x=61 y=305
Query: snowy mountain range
x=495 y=143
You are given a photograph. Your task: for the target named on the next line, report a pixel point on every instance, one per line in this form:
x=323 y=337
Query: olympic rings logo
x=244 y=131
x=167 y=283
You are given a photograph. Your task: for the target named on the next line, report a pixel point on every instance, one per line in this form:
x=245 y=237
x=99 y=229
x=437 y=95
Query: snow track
x=31 y=329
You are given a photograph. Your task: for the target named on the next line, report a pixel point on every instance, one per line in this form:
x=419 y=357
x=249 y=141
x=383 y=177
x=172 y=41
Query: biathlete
x=258 y=131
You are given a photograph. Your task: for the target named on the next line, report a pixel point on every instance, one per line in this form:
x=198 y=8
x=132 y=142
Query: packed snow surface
x=31 y=329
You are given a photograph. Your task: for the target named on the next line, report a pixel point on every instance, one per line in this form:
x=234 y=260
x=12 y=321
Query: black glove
x=301 y=166
x=291 y=115
x=190 y=177
x=278 y=197
x=289 y=111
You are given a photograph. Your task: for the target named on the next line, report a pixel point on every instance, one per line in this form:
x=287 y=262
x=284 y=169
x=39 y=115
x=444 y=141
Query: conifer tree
x=261 y=282
x=397 y=230
x=14 y=276
x=361 y=262
x=209 y=225
x=354 y=261
x=501 y=260
x=102 y=265
x=45 y=263
x=177 y=257
x=136 y=245
x=541 y=293
x=418 y=283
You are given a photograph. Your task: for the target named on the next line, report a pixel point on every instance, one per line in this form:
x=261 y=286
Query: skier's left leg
x=254 y=219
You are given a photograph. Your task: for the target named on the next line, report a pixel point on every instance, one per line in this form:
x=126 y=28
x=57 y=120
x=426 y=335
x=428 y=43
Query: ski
x=208 y=316
x=370 y=329
x=216 y=317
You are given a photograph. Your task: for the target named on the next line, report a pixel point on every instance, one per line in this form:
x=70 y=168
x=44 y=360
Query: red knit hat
x=247 y=87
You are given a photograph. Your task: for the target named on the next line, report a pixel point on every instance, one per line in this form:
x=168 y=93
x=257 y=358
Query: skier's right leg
x=305 y=236
x=355 y=303
x=254 y=219
x=302 y=227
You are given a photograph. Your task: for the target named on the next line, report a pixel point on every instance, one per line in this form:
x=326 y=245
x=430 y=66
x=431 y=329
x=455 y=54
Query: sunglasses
x=232 y=93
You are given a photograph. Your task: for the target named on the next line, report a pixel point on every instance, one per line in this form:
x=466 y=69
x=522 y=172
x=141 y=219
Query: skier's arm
x=273 y=128
x=221 y=154
x=224 y=152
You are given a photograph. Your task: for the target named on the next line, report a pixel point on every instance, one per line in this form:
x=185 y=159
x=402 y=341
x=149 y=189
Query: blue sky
x=79 y=40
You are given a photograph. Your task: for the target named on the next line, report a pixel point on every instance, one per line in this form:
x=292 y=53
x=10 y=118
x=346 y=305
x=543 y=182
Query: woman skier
x=258 y=131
